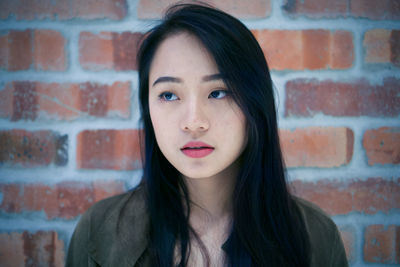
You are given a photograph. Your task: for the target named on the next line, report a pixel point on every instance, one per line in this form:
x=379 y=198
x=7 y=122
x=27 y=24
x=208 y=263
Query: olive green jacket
x=95 y=241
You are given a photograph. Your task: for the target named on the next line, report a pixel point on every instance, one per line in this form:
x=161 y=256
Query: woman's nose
x=194 y=118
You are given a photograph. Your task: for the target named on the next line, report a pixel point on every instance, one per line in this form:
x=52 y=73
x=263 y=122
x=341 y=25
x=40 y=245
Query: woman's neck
x=211 y=198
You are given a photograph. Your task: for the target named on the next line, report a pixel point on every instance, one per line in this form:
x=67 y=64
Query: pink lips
x=197 y=149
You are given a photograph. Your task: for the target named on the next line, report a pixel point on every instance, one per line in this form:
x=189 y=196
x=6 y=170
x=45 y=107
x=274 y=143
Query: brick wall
x=69 y=114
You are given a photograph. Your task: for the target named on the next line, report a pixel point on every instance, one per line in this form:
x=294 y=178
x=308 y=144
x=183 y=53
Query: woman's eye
x=218 y=94
x=168 y=96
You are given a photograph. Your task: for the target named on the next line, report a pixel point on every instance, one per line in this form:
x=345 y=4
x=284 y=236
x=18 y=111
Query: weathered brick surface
x=317 y=146
x=64 y=101
x=24 y=102
x=371 y=9
x=336 y=59
x=20 y=148
x=341 y=197
x=18 y=50
x=38 y=49
x=316 y=8
x=382 y=244
x=382 y=46
x=308 y=97
x=148 y=9
x=377 y=10
x=63 y=200
x=31 y=249
x=108 y=50
x=349 y=241
x=108 y=149
x=3 y=51
x=306 y=49
x=96 y=51
x=63 y=10
x=382 y=145
x=49 y=50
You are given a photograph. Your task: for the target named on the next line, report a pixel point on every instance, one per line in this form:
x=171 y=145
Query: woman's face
x=198 y=126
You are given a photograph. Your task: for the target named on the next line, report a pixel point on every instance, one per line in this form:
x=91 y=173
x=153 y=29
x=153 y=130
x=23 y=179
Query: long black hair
x=267 y=226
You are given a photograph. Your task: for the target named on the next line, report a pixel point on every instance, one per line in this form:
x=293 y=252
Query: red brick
x=382 y=145
x=377 y=46
x=6 y=101
x=349 y=241
x=306 y=49
x=395 y=47
x=331 y=196
x=20 y=50
x=251 y=9
x=59 y=101
x=317 y=146
x=44 y=49
x=31 y=249
x=125 y=46
x=119 y=100
x=64 y=10
x=381 y=244
x=308 y=97
x=49 y=50
x=376 y=195
x=108 y=149
x=281 y=48
x=63 y=200
x=108 y=50
x=64 y=101
x=24 y=101
x=96 y=51
x=371 y=9
x=316 y=8
x=316 y=48
x=382 y=46
x=342 y=54
x=33 y=149
x=95 y=9
x=3 y=51
x=12 y=249
x=378 y=10
x=342 y=197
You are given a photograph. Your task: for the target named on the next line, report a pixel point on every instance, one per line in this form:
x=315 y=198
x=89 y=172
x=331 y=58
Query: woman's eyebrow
x=212 y=77
x=167 y=79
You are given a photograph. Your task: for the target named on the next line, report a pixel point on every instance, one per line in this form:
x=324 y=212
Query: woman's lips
x=197 y=149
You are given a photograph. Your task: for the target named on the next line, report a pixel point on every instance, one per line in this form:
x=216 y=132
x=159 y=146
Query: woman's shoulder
x=313 y=215
x=110 y=230
x=114 y=211
x=109 y=207
x=318 y=223
x=326 y=244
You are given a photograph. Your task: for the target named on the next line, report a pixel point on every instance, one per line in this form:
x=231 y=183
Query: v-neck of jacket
x=122 y=237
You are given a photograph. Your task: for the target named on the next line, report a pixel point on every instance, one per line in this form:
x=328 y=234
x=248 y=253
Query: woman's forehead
x=182 y=54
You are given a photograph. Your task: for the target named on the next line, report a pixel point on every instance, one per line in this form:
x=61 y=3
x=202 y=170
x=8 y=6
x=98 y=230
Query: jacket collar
x=127 y=232
x=129 y=238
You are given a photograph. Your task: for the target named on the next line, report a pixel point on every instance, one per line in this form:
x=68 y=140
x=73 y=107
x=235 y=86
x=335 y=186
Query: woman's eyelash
x=217 y=94
x=167 y=96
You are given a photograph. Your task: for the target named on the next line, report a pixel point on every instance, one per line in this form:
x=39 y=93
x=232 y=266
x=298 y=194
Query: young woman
x=213 y=191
